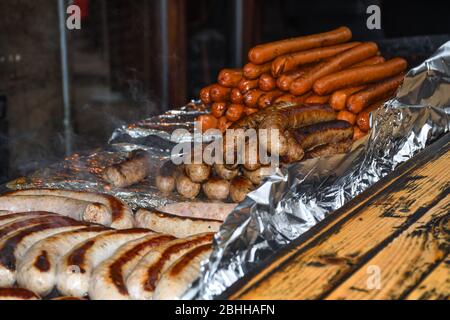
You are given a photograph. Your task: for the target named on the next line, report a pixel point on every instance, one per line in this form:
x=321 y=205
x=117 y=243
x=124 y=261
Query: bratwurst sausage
x=133 y=170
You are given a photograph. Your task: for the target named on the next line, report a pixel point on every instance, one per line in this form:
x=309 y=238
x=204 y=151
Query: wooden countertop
x=391 y=242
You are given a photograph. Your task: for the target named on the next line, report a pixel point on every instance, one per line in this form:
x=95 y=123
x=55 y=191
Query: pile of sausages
x=304 y=132
x=322 y=68
x=44 y=253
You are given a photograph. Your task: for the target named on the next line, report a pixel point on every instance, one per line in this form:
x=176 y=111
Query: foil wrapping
x=301 y=195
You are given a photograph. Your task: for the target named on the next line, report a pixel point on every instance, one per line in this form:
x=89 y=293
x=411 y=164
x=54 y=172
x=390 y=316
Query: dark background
x=135 y=58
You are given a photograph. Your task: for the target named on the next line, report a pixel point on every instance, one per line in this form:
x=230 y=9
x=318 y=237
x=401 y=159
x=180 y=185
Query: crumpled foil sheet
x=298 y=197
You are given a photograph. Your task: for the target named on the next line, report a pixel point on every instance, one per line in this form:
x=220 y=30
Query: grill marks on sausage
x=179 y=266
x=7 y=257
x=154 y=271
x=18 y=293
x=115 y=269
x=78 y=256
x=14 y=226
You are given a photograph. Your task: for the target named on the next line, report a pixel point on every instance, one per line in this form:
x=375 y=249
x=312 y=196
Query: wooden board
x=391 y=242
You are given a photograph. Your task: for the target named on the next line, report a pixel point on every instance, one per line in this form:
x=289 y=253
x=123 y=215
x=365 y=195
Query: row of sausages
x=316 y=69
x=42 y=251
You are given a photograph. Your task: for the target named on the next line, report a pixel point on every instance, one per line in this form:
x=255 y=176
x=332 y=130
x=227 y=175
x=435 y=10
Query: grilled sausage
x=216 y=188
x=229 y=77
x=295 y=152
x=234 y=112
x=358 y=133
x=251 y=97
x=218 y=109
x=330 y=149
x=267 y=82
x=133 y=170
x=75 y=268
x=338 y=99
x=331 y=67
x=16 y=217
x=382 y=90
x=197 y=172
x=179 y=276
x=224 y=172
x=363 y=118
x=369 y=62
x=359 y=76
x=205 y=210
x=166 y=179
x=206 y=122
x=121 y=214
x=256 y=176
x=224 y=124
x=187 y=188
x=285 y=80
x=219 y=93
x=348 y=116
x=289 y=62
x=178 y=226
x=36 y=271
x=246 y=85
x=250 y=156
x=205 y=95
x=14 y=246
x=108 y=278
x=269 y=51
x=323 y=133
x=73 y=208
x=239 y=188
x=143 y=280
x=267 y=98
x=253 y=71
x=17 y=294
x=236 y=96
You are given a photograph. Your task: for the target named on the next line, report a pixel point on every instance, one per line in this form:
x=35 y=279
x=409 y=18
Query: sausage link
x=223 y=124
x=363 y=118
x=369 y=62
x=338 y=99
x=216 y=188
x=291 y=61
x=286 y=79
x=234 y=112
x=239 y=188
x=253 y=71
x=251 y=98
x=187 y=188
x=333 y=65
x=224 y=172
x=207 y=121
x=229 y=77
x=359 y=76
x=218 y=109
x=246 y=85
x=248 y=111
x=236 y=96
x=219 y=93
x=165 y=180
x=205 y=95
x=267 y=98
x=360 y=100
x=267 y=82
x=316 y=99
x=269 y=51
x=358 y=133
x=330 y=149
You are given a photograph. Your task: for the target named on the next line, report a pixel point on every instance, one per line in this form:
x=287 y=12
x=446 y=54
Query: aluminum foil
x=298 y=197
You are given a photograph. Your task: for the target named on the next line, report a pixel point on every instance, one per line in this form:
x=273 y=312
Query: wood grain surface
x=391 y=242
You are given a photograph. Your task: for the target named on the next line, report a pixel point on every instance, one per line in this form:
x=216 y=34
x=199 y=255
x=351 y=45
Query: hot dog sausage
x=206 y=122
x=289 y=62
x=218 y=109
x=251 y=98
x=267 y=52
x=219 y=93
x=267 y=98
x=229 y=77
x=359 y=76
x=267 y=82
x=337 y=63
x=348 y=116
x=178 y=226
x=338 y=99
x=205 y=95
x=234 y=112
x=316 y=99
x=246 y=85
x=363 y=118
x=362 y=99
x=236 y=96
x=253 y=71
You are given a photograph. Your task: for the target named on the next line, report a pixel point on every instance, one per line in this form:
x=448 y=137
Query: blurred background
x=64 y=91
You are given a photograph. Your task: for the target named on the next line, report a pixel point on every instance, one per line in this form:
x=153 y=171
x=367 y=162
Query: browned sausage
x=129 y=172
x=218 y=109
x=337 y=63
x=359 y=76
x=219 y=93
x=267 y=98
x=246 y=85
x=248 y=111
x=330 y=149
x=239 y=188
x=269 y=51
x=360 y=100
x=229 y=77
x=291 y=61
x=216 y=188
x=348 y=116
x=338 y=99
x=197 y=172
x=316 y=99
x=295 y=152
x=236 y=96
x=206 y=122
x=267 y=82
x=234 y=112
x=187 y=188
x=165 y=180
x=251 y=156
x=205 y=95
x=323 y=133
x=256 y=176
x=369 y=62
x=253 y=71
x=286 y=79
x=251 y=98
x=223 y=124
x=224 y=172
